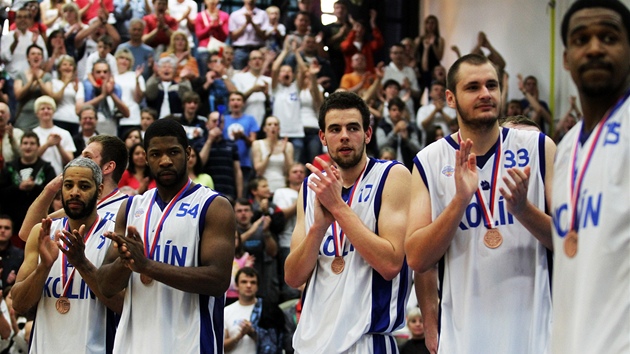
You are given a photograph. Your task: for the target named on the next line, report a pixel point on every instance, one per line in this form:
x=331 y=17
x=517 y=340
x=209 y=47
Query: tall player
x=172 y=252
x=110 y=153
x=591 y=190
x=347 y=246
x=477 y=209
x=59 y=270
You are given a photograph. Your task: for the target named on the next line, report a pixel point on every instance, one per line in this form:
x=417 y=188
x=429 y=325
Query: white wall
x=519 y=30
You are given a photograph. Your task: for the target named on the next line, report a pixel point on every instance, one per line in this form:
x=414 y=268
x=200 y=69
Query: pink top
x=128 y=179
x=238 y=263
x=206 y=27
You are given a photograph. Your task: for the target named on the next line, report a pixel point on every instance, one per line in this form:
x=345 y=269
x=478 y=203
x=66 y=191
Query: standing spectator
x=69 y=95
x=405 y=76
x=142 y=53
x=132 y=88
x=87 y=121
x=87 y=42
x=313 y=17
x=163 y=93
x=125 y=11
x=55 y=47
x=220 y=159
x=37 y=25
x=254 y=86
x=159 y=26
x=90 y=9
x=272 y=156
x=24 y=178
x=533 y=106
x=137 y=177
x=185 y=13
x=148 y=116
x=311 y=98
x=301 y=26
x=436 y=112
x=10 y=255
x=179 y=48
x=241 y=128
x=28 y=86
x=309 y=51
x=276 y=30
x=247 y=27
x=357 y=42
x=430 y=50
x=333 y=34
x=215 y=85
x=106 y=97
x=58 y=146
x=13 y=52
x=104 y=45
x=71 y=27
x=211 y=25
x=9 y=137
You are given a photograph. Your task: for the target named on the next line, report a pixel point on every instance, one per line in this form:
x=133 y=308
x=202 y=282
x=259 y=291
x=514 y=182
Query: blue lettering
x=177 y=258
x=592 y=211
x=70 y=293
x=557 y=220
x=102 y=240
x=167 y=248
x=109 y=216
x=473 y=216
x=47 y=287
x=368 y=191
x=612 y=134
x=54 y=287
x=329 y=246
x=469 y=215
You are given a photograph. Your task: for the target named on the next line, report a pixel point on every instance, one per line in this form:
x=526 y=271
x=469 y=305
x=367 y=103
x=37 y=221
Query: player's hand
x=130 y=249
x=48 y=251
x=516 y=197
x=466 y=177
x=72 y=245
x=431 y=339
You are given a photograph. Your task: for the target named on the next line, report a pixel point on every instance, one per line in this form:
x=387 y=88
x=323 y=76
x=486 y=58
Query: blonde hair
x=125 y=53
x=69 y=59
x=414 y=313
x=171 y=46
x=45 y=100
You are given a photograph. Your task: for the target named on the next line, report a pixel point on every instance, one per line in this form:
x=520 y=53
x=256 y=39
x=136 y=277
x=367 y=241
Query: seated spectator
x=69 y=95
x=272 y=156
x=195 y=170
x=358 y=42
x=247 y=27
x=357 y=81
x=434 y=134
x=24 y=178
x=58 y=146
x=159 y=26
x=436 y=112
x=186 y=63
x=132 y=85
x=87 y=121
x=10 y=137
x=163 y=93
x=211 y=28
x=28 y=86
x=106 y=97
x=137 y=177
x=400 y=135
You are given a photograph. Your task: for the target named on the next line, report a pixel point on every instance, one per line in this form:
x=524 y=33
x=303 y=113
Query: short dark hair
x=614 y=5
x=30 y=135
x=107 y=40
x=102 y=61
x=391 y=82
x=254 y=183
x=150 y=111
x=112 y=149
x=521 y=120
x=398 y=102
x=249 y=271
x=438 y=82
x=472 y=59
x=6 y=217
x=165 y=127
x=344 y=100
x=33 y=46
x=238 y=93
x=243 y=201
x=87 y=107
x=190 y=96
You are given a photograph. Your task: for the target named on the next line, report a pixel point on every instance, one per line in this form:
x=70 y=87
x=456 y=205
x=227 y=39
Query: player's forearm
x=427 y=294
x=538 y=223
x=26 y=293
x=425 y=246
x=112 y=278
x=208 y=280
x=303 y=259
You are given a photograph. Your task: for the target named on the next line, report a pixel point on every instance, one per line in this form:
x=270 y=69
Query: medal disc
x=337 y=265
x=571 y=244
x=492 y=238
x=145 y=279
x=63 y=305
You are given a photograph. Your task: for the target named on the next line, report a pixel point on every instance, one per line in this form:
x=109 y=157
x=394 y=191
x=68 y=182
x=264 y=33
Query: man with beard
x=58 y=275
x=173 y=250
x=491 y=247
x=592 y=272
x=347 y=246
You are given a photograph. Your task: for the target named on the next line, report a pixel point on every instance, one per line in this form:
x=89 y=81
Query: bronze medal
x=571 y=244
x=63 y=305
x=337 y=265
x=145 y=279
x=492 y=238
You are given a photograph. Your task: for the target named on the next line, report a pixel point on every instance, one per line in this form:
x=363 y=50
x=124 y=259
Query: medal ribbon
x=488 y=215
x=577 y=173
x=148 y=252
x=65 y=279
x=339 y=237
x=108 y=199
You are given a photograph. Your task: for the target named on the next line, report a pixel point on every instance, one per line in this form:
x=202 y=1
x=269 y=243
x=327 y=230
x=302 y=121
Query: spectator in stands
x=69 y=95
x=400 y=135
x=276 y=31
x=430 y=50
x=9 y=137
x=58 y=146
x=185 y=13
x=211 y=25
x=12 y=257
x=214 y=86
x=404 y=75
x=132 y=137
x=125 y=11
x=248 y=26
x=137 y=177
x=272 y=156
x=142 y=53
x=301 y=26
x=179 y=48
x=92 y=8
x=87 y=121
x=436 y=112
x=28 y=86
x=533 y=106
x=163 y=93
x=106 y=97
x=255 y=87
x=55 y=47
x=333 y=34
x=313 y=17
x=193 y=123
x=242 y=259
x=241 y=128
x=357 y=42
x=159 y=26
x=309 y=51
x=195 y=170
x=357 y=81
x=148 y=115
x=132 y=85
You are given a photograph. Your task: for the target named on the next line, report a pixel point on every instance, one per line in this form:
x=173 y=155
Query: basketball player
x=110 y=153
x=59 y=270
x=591 y=224
x=357 y=281
x=477 y=208
x=172 y=252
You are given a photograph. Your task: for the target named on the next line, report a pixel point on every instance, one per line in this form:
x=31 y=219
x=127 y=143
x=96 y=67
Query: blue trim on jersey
x=379 y=193
x=204 y=211
x=402 y=294
x=449 y=139
x=128 y=206
x=206 y=340
x=422 y=172
x=541 y=156
x=304 y=193
x=111 y=322
x=112 y=202
x=381 y=298
x=380 y=343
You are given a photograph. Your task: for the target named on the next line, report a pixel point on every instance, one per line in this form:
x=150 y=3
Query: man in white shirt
x=254 y=86
x=404 y=75
x=436 y=112
x=56 y=144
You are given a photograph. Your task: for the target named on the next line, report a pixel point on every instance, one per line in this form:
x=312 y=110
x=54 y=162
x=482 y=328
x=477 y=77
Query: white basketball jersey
x=339 y=310
x=493 y=300
x=107 y=207
x=157 y=318
x=83 y=329
x=591 y=291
